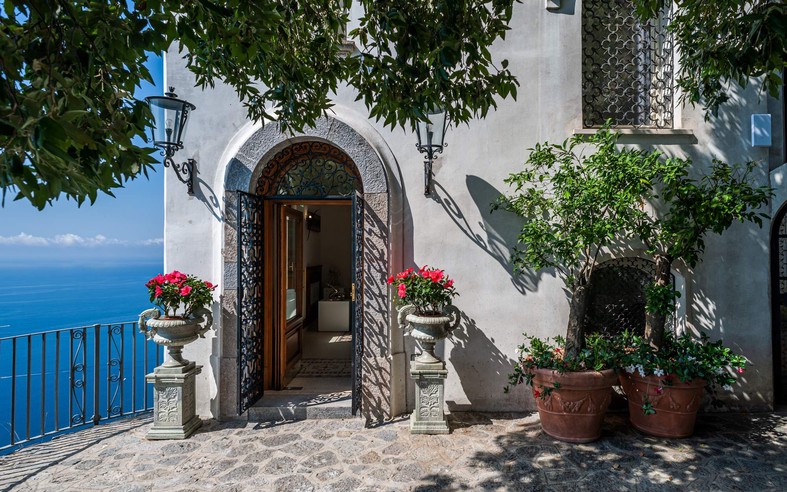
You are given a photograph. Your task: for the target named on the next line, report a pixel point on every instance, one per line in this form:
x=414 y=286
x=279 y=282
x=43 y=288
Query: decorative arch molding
x=311 y=167
x=254 y=157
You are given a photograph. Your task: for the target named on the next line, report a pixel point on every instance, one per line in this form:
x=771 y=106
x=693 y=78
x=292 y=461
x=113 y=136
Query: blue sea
x=42 y=298
x=70 y=378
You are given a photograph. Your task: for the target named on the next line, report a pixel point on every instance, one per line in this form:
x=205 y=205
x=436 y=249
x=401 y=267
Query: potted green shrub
x=686 y=210
x=576 y=204
x=563 y=386
x=665 y=385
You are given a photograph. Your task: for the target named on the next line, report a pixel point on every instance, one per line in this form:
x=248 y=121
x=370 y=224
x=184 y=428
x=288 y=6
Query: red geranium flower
x=179 y=295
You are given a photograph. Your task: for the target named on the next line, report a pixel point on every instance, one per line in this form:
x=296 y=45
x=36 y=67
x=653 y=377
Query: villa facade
x=283 y=223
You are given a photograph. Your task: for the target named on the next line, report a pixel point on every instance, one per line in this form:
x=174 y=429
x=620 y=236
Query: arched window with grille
x=616 y=300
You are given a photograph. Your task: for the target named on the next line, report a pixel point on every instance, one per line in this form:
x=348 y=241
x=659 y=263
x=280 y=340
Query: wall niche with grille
x=616 y=300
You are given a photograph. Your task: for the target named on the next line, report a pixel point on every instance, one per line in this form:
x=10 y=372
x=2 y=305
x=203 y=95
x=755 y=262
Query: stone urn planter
x=428 y=330
x=574 y=411
x=175 y=333
x=675 y=404
x=427 y=370
x=174 y=388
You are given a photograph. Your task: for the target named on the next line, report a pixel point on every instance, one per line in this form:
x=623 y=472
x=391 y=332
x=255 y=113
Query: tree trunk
x=655 y=322
x=575 y=333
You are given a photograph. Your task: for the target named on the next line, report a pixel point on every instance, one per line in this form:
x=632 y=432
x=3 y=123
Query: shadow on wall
x=496 y=234
x=482 y=365
x=704 y=318
x=725 y=453
x=482 y=362
x=376 y=385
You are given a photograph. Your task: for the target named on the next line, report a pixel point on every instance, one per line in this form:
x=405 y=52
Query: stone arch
x=376 y=170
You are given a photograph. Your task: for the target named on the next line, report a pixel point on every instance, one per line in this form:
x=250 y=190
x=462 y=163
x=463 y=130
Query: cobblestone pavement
x=483 y=452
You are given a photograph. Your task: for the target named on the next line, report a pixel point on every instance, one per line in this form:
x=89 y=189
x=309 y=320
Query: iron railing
x=61 y=380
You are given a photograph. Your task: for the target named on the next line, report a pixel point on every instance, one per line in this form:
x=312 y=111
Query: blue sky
x=127 y=228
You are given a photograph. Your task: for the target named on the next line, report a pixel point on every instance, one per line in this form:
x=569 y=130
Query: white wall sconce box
x=761 y=130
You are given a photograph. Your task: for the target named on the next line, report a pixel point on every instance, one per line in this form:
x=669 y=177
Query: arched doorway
x=779 y=303
x=252 y=159
x=284 y=312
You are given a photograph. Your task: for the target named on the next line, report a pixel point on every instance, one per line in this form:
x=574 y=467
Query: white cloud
x=153 y=242
x=74 y=240
x=77 y=240
x=24 y=239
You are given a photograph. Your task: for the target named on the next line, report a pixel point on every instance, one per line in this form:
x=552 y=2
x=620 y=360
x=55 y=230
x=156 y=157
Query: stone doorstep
x=282 y=408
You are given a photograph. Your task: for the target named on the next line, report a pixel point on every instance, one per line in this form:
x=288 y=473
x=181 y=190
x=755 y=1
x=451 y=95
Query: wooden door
x=291 y=291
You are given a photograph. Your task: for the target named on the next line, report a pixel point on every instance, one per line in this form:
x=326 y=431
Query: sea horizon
x=56 y=295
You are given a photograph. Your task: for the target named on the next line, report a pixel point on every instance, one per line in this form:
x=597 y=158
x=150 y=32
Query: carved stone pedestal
x=428 y=416
x=174 y=403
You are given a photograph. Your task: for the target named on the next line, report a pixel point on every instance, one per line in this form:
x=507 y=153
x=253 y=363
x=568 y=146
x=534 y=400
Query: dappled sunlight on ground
x=483 y=452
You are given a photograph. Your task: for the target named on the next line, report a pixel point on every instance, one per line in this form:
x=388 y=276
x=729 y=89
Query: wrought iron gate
x=779 y=303
x=357 y=311
x=251 y=335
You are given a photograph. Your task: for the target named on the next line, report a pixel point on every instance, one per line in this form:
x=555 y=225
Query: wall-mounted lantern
x=170 y=116
x=431 y=136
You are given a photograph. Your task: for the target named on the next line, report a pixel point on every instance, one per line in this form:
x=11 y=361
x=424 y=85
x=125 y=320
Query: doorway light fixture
x=431 y=141
x=170 y=117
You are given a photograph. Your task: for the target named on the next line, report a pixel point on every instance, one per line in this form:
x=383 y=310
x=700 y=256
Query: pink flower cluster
x=428 y=289
x=433 y=274
x=177 y=292
x=175 y=278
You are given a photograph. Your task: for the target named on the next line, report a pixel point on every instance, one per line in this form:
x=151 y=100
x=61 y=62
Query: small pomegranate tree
x=574 y=205
x=688 y=210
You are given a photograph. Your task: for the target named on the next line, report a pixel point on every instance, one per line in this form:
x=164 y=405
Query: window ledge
x=650 y=135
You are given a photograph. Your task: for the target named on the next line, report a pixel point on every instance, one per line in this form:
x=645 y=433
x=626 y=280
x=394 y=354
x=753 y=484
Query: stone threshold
x=305 y=398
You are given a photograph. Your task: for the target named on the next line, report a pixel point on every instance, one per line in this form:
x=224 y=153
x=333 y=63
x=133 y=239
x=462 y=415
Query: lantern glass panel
x=432 y=133
x=167 y=117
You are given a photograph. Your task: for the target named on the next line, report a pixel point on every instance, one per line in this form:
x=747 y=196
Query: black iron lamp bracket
x=430 y=152
x=185 y=171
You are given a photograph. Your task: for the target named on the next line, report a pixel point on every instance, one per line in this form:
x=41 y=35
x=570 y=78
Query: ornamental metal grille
x=250 y=300
x=617 y=296
x=314 y=169
x=780 y=310
x=357 y=313
x=627 y=66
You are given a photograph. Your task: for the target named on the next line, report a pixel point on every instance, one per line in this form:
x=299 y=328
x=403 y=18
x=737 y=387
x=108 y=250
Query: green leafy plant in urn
x=428 y=316
x=426 y=310
x=182 y=317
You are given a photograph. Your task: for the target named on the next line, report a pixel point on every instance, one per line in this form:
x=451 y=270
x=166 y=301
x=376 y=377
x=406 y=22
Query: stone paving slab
x=483 y=452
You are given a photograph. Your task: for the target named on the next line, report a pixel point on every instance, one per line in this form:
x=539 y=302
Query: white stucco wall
x=726 y=296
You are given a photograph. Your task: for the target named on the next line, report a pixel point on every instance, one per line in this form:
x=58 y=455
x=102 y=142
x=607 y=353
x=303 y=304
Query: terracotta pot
x=676 y=405
x=575 y=411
